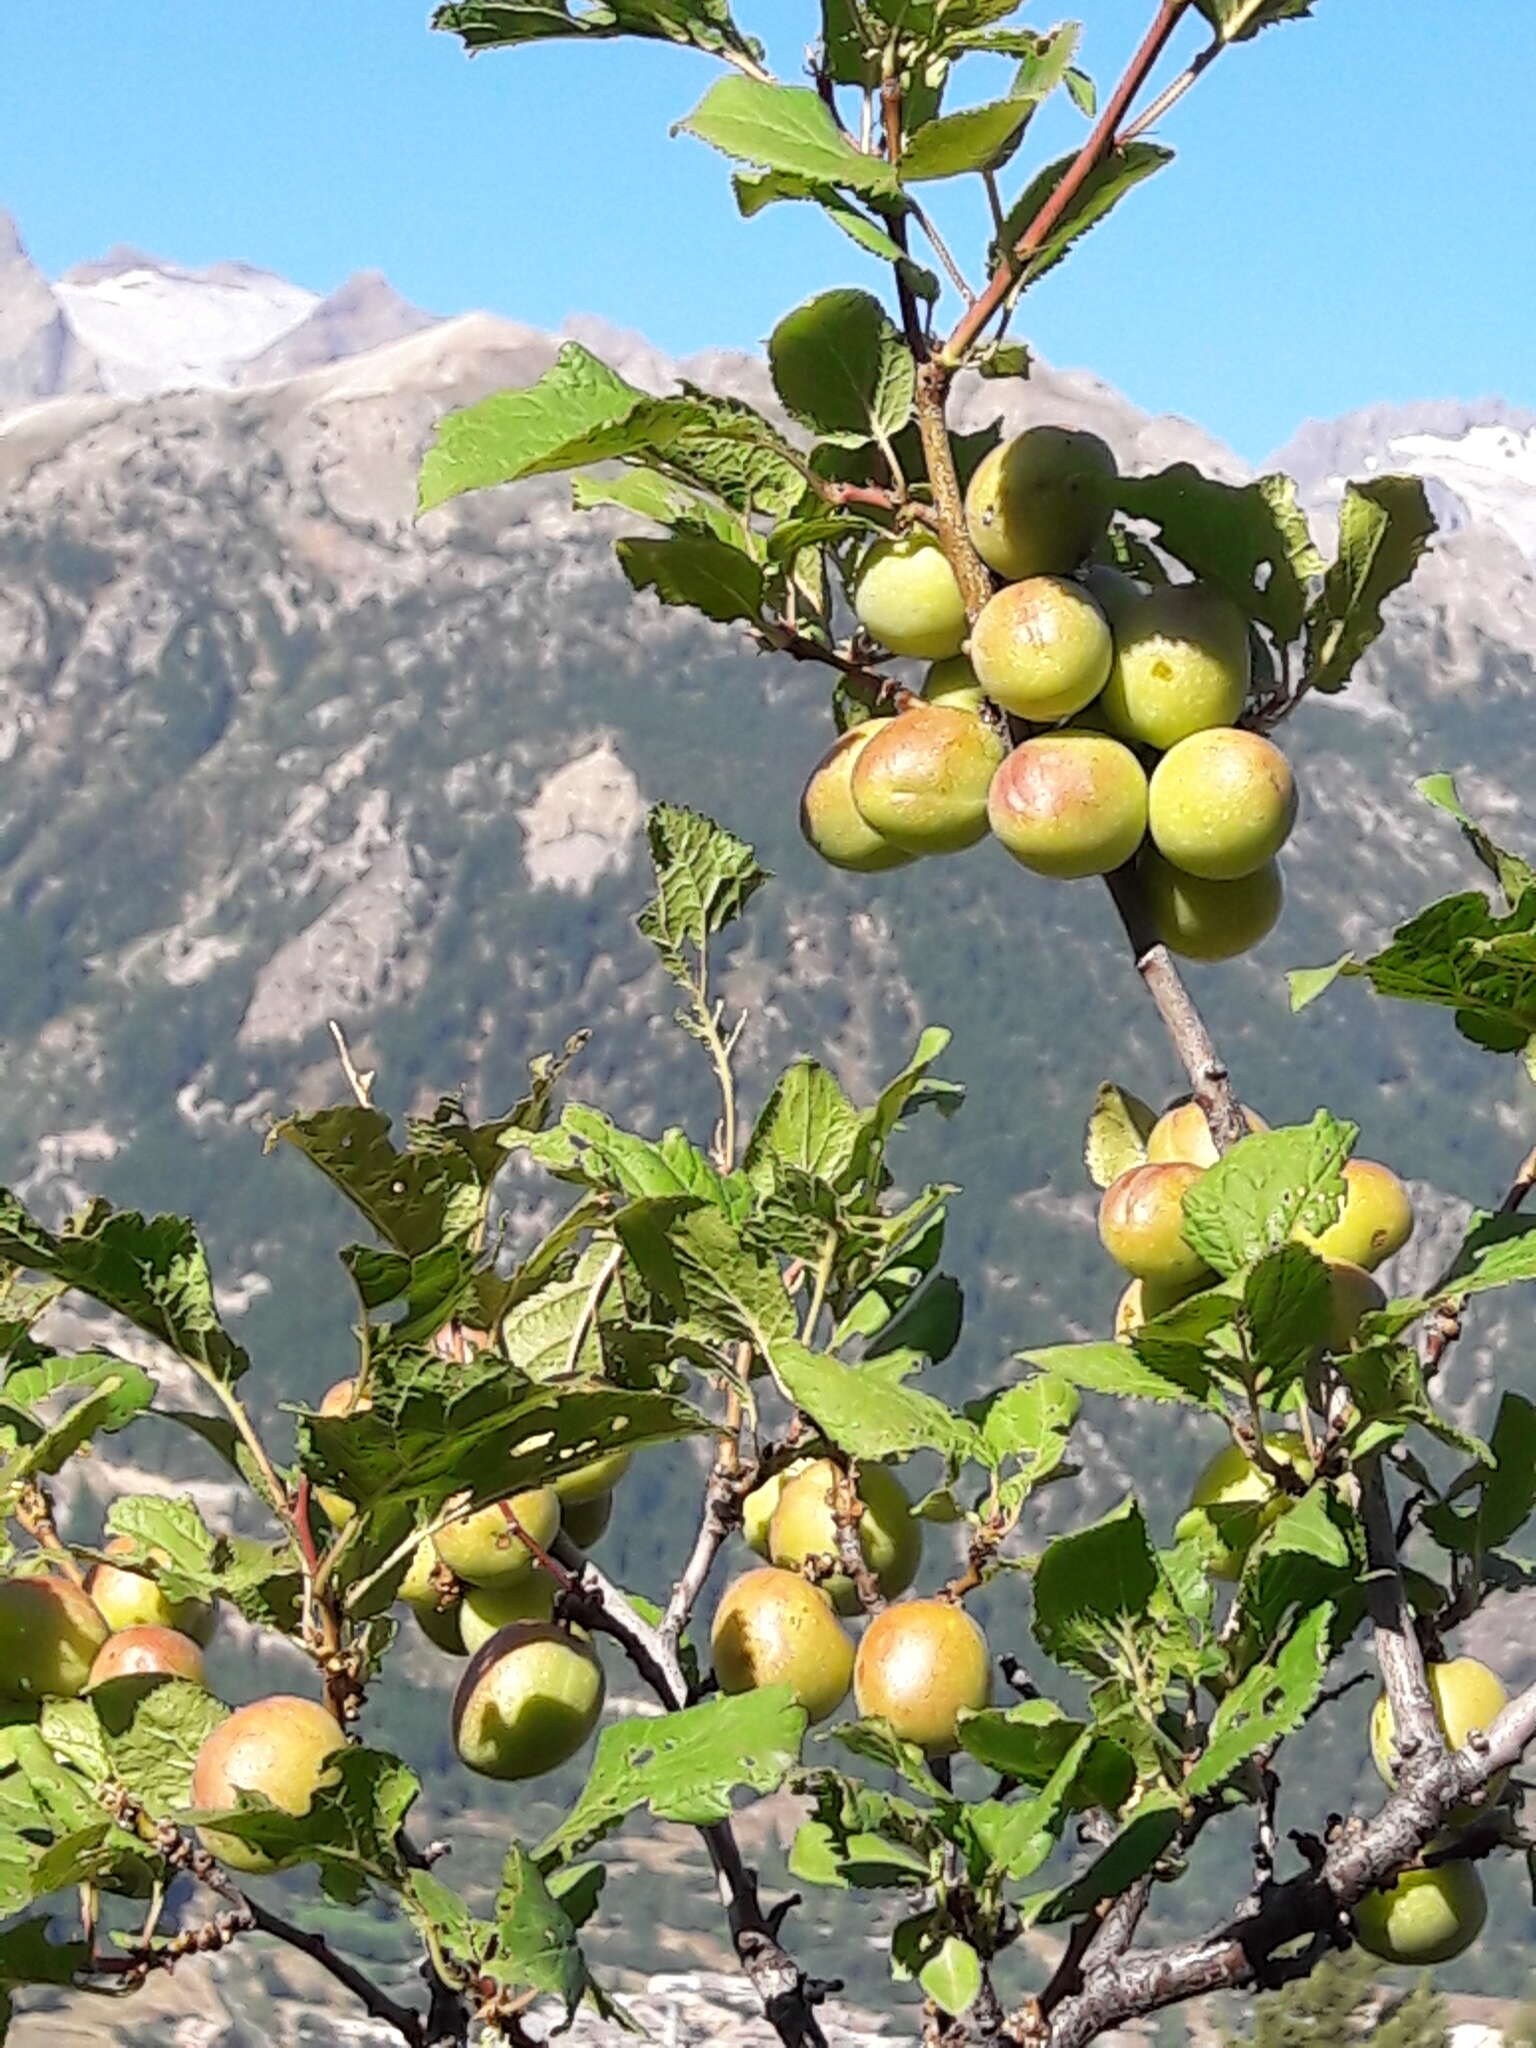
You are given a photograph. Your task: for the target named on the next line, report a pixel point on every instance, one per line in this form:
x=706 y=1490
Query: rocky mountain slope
x=275 y=753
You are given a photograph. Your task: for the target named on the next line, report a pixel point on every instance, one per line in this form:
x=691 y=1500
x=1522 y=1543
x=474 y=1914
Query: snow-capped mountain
x=1478 y=459
x=133 y=326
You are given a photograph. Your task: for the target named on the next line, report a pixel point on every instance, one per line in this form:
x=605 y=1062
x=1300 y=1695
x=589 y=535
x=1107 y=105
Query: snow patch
x=154 y=327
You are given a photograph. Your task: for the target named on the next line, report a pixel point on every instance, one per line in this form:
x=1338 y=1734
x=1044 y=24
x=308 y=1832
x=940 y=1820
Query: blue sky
x=1350 y=218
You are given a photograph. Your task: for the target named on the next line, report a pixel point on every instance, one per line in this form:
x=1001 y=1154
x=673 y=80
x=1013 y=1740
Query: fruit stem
x=1100 y=143
x=971 y=572
x=34 y=1511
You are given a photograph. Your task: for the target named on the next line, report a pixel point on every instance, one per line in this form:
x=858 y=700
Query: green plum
x=1069 y=804
x=590 y=1481
x=1237 y=1501
x=774 y=1628
x=1210 y=920
x=1467 y=1696
x=890 y=1536
x=1041 y=648
x=906 y=597
x=1375 y=1222
x=1038 y=504
x=1181 y=664
x=586 y=1521
x=1425 y=1917
x=922 y=783
x=127 y=1597
x=485 y=1609
x=920 y=1665
x=50 y=1635
x=953 y=682
x=1141 y=1224
x=1183 y=1133
x=280 y=1748
x=1222 y=803
x=757 y=1509
x=830 y=820
x=528 y=1700
x=483 y=1549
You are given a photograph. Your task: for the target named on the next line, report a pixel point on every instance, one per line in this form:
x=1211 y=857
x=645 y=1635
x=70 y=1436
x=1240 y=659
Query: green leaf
x=721 y=581
x=536 y=1947
x=1030 y=1740
x=705 y=878
x=1506 y=1491
x=756 y=189
x=1459 y=955
x=1287 y=1308
x=351 y=1828
x=864 y=1414
x=785 y=128
x=913 y=1088
x=503 y=24
x=1116 y=1139
x=1271 y=1701
x=580 y=412
x=1384 y=527
x=523 y=433
x=1028 y=1425
x=1105 y=186
x=697 y=1261
x=974 y=139
x=1253 y=1199
x=1308 y=983
x=684 y=1766
x=654 y=496
x=1513 y=875
x=28 y=1955
x=839 y=365
x=1249 y=540
x=1130 y=1855
x=1090 y=1582
x=149 y=1731
x=1236 y=20
x=873 y=1738
x=152 y=1270
x=952 y=1978
x=117 y=1391
x=807 y=1123
x=1119 y=1370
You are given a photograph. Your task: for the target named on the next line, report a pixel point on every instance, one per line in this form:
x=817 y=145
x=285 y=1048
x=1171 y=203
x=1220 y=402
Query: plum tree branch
x=788 y=1997
x=1099 y=144
x=1362 y=1857
x=1209 y=1081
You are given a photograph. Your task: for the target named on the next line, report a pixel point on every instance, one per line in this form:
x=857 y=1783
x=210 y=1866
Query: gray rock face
x=40 y=353
x=361 y=314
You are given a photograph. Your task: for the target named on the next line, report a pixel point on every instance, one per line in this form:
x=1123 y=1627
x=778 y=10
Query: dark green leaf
x=1249 y=540
x=721 y=581
x=535 y=1947
x=1029 y=1741
x=1090 y=1583
x=503 y=24
x=1134 y=1850
x=839 y=365
x=1287 y=1307
x=1115 y=175
x=1506 y=1492
x=1236 y=20
x=1119 y=1370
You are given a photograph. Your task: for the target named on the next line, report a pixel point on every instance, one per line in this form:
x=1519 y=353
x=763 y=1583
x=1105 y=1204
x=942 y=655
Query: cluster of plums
x=919 y=1663
x=533 y=1689
x=1141 y=1226
x=1140 y=688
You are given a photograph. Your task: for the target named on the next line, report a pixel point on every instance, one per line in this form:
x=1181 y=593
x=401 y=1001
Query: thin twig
x=360 y=1084
x=1098 y=146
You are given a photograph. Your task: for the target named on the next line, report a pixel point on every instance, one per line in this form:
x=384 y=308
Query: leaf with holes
x=1249 y=540
x=1254 y=1198
x=705 y=878
x=1090 y=1584
x=684 y=1766
x=351 y=1828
